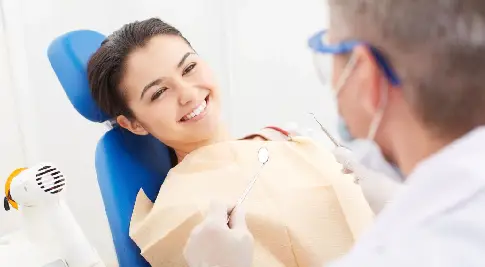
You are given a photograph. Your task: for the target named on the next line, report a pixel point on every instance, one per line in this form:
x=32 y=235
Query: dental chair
x=125 y=163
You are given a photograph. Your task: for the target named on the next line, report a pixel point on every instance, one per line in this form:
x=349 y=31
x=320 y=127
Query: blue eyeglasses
x=317 y=44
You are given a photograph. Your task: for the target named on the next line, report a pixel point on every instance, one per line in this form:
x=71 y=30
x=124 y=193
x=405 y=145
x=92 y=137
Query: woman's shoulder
x=269 y=133
x=280 y=135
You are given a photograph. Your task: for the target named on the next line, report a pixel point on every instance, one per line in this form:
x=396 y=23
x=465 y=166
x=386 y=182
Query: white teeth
x=196 y=111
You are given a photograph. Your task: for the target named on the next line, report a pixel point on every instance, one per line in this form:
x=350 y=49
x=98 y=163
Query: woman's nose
x=186 y=92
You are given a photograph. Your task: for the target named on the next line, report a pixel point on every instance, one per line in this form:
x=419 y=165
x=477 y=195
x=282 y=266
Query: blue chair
x=124 y=162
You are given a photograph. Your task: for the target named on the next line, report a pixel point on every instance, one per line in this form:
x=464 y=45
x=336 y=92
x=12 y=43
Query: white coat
x=438 y=219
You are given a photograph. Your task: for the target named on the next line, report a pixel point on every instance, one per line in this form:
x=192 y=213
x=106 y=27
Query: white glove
x=295 y=130
x=212 y=243
x=378 y=189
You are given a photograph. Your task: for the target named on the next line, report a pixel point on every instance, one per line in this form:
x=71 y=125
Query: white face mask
x=366 y=150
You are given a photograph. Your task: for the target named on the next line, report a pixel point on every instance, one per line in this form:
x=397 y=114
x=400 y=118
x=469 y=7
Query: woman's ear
x=131 y=125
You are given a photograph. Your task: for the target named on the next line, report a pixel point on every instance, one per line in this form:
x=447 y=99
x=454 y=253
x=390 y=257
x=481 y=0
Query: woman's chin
x=210 y=131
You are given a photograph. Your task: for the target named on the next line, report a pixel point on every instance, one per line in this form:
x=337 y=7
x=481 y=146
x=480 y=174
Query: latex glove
x=295 y=130
x=213 y=243
x=378 y=189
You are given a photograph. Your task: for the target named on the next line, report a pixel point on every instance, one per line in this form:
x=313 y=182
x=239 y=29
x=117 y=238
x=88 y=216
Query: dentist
x=409 y=79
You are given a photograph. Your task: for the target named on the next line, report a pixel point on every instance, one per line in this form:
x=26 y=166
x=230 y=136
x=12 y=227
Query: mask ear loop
x=345 y=74
x=376 y=121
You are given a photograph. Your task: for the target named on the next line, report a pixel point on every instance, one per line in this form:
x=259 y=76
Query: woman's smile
x=197 y=113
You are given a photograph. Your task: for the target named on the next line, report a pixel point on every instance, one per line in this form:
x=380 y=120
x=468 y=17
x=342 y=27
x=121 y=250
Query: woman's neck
x=220 y=136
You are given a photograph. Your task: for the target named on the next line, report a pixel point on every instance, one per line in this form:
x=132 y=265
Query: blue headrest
x=69 y=55
x=125 y=162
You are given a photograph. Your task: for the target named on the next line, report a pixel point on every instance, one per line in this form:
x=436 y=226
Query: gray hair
x=436 y=47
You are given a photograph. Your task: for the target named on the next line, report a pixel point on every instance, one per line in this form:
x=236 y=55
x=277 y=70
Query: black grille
x=50 y=179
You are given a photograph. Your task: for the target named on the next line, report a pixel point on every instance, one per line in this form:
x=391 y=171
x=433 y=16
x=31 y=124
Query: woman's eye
x=189 y=68
x=158 y=93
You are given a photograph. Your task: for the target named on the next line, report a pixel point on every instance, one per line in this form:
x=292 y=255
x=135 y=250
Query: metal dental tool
x=335 y=142
x=263 y=157
x=327 y=133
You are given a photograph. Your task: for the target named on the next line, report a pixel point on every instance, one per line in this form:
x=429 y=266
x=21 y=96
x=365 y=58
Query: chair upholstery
x=124 y=162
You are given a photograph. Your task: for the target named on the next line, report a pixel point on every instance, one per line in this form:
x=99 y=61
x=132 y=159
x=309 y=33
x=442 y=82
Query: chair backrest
x=125 y=163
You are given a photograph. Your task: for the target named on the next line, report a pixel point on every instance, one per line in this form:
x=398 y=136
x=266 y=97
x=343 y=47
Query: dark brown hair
x=107 y=65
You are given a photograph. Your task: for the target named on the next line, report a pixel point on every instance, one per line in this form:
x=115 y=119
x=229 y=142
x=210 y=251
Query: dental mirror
x=263 y=155
x=263 y=158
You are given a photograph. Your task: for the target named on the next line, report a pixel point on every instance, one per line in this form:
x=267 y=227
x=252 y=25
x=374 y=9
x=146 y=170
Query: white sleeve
x=421 y=248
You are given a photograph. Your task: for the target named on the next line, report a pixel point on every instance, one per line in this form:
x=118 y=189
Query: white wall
x=12 y=150
x=271 y=65
x=257 y=49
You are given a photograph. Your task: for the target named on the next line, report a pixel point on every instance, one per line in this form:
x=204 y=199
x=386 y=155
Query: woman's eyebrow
x=159 y=81
x=182 y=61
x=150 y=85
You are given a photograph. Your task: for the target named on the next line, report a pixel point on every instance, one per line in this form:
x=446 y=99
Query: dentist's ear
x=370 y=77
x=131 y=125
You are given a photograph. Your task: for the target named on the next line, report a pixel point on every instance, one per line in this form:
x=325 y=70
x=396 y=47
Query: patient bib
x=301 y=211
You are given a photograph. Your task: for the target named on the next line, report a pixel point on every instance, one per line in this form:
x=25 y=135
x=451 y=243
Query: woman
x=148 y=77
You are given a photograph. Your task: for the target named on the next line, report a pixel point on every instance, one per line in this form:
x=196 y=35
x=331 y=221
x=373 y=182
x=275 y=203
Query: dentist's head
x=408 y=75
x=148 y=77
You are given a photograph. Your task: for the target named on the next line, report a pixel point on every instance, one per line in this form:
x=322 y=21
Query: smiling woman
x=302 y=211
x=148 y=77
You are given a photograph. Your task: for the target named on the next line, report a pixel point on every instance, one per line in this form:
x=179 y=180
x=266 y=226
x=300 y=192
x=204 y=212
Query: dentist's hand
x=378 y=189
x=215 y=244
